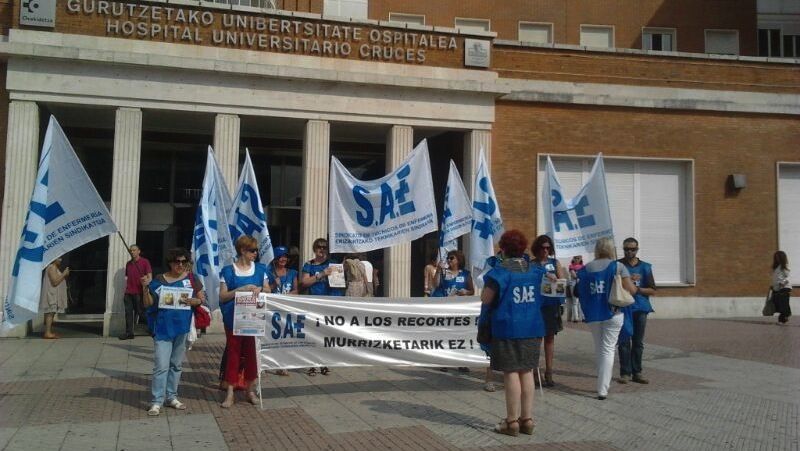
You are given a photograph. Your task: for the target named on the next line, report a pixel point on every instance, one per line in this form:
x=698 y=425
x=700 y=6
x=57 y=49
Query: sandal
x=324 y=371
x=527 y=425
x=281 y=372
x=312 y=371
x=253 y=398
x=490 y=387
x=508 y=427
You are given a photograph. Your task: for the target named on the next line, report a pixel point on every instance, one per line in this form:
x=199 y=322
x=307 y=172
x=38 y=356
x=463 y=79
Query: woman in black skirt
x=511 y=302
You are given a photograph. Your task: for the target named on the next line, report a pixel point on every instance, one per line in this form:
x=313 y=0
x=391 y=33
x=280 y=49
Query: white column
x=397 y=259
x=124 y=210
x=474 y=141
x=226 y=148
x=22 y=152
x=316 y=172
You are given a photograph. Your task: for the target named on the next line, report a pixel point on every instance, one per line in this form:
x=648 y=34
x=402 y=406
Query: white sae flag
x=487 y=225
x=374 y=214
x=65 y=212
x=247 y=216
x=576 y=224
x=457 y=213
x=212 y=247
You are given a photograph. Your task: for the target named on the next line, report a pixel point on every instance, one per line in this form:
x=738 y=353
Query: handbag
x=619 y=297
x=769 y=304
x=202 y=317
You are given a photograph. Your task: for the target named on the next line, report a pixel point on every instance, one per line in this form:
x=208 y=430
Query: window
x=469 y=25
x=650 y=200
x=659 y=39
x=357 y=9
x=540 y=33
x=789 y=215
x=416 y=19
x=597 y=36
x=769 y=42
x=722 y=42
x=791 y=46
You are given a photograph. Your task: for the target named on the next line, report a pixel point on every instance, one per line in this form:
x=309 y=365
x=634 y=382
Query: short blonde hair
x=605 y=249
x=245 y=242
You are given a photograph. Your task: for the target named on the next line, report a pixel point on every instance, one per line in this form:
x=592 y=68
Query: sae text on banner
x=375 y=214
x=457 y=214
x=247 y=216
x=576 y=224
x=487 y=224
x=65 y=212
x=304 y=331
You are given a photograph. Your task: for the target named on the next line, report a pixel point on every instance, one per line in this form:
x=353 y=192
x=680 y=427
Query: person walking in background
x=136 y=270
x=544 y=256
x=510 y=303
x=781 y=286
x=245 y=274
x=630 y=357
x=170 y=328
x=573 y=305
x=430 y=273
x=605 y=320
x=53 y=298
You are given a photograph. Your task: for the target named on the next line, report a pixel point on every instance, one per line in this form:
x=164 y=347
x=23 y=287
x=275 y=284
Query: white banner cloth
x=212 y=247
x=247 y=216
x=375 y=214
x=576 y=224
x=457 y=214
x=65 y=212
x=304 y=331
x=487 y=225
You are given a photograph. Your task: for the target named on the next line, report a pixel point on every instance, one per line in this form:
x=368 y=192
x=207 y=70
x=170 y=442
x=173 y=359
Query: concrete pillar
x=474 y=141
x=124 y=210
x=397 y=259
x=316 y=173
x=226 y=148
x=22 y=158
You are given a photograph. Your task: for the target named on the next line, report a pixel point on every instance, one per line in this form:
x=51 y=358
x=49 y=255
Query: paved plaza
x=715 y=384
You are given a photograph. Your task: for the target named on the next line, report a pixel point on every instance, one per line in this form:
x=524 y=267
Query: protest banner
x=247 y=216
x=576 y=224
x=305 y=331
x=457 y=214
x=212 y=247
x=487 y=224
x=375 y=214
x=64 y=213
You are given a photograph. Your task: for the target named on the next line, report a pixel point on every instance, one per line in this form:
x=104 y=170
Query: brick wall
x=735 y=234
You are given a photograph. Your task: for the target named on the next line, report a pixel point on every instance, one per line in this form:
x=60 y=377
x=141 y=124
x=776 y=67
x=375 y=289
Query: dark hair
x=245 y=242
x=539 y=242
x=319 y=242
x=780 y=259
x=513 y=243
x=176 y=252
x=630 y=240
x=459 y=258
x=433 y=256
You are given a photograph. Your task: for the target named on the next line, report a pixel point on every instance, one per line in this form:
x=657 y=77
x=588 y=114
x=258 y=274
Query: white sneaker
x=175 y=404
x=154 y=411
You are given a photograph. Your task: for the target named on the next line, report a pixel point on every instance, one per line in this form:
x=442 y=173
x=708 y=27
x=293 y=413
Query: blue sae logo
x=393 y=202
x=576 y=217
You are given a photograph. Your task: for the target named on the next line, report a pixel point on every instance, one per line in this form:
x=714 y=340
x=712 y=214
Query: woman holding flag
x=454 y=281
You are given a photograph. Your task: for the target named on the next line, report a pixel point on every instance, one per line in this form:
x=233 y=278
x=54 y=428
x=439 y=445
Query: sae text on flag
x=457 y=214
x=212 y=247
x=374 y=214
x=65 y=212
x=577 y=223
x=487 y=225
x=247 y=216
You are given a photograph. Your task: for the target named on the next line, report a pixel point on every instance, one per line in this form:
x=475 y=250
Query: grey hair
x=605 y=249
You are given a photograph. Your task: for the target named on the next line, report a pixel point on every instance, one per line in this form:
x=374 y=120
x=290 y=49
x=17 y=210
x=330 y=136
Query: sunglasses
x=180 y=261
x=631 y=249
x=322 y=248
x=253 y=250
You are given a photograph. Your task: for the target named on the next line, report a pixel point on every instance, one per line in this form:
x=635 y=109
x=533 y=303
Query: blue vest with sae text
x=595 y=288
x=518 y=312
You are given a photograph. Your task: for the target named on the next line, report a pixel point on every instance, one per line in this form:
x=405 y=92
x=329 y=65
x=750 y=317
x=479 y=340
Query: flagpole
x=127 y=248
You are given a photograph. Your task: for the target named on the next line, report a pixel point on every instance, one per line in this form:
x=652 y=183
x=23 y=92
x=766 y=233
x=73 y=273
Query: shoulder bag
x=769 y=304
x=619 y=296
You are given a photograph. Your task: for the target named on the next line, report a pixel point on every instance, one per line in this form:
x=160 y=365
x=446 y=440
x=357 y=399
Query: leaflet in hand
x=554 y=288
x=336 y=279
x=250 y=314
x=174 y=298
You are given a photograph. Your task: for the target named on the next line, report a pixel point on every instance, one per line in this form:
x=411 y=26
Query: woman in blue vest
x=282 y=279
x=544 y=253
x=511 y=304
x=314 y=279
x=605 y=320
x=245 y=274
x=170 y=328
x=454 y=281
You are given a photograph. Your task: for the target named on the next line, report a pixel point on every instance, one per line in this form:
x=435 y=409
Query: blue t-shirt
x=166 y=324
x=451 y=286
x=285 y=283
x=320 y=288
x=232 y=282
x=595 y=289
x=518 y=313
x=551 y=267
